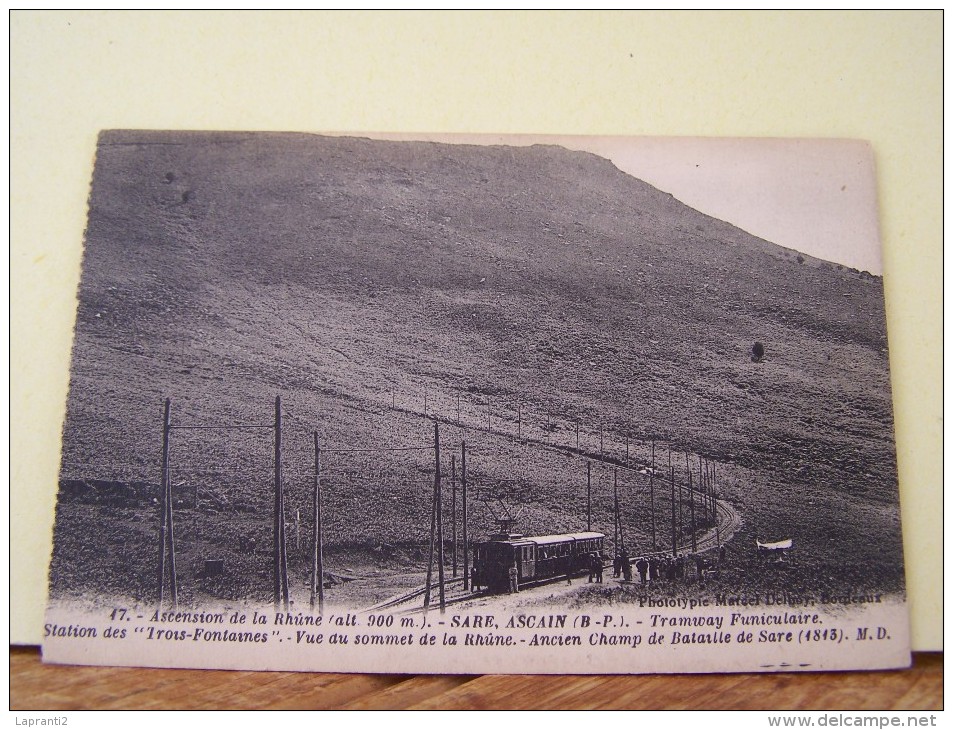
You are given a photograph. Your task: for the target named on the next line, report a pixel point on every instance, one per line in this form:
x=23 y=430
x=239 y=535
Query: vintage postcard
x=479 y=405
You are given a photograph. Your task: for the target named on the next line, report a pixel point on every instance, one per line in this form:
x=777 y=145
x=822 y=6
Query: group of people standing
x=651 y=568
x=691 y=566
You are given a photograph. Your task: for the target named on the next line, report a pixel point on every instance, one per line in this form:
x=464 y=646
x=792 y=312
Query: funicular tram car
x=536 y=558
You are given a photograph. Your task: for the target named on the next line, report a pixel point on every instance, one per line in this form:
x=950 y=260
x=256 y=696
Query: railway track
x=726 y=529
x=405 y=597
x=728 y=523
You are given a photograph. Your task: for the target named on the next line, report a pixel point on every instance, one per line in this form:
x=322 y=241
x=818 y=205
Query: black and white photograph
x=382 y=403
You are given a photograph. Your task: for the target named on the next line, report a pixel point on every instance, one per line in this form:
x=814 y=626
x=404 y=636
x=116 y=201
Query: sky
x=817 y=196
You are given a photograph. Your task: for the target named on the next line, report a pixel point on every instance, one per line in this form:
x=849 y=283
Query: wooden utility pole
x=281 y=557
x=278 y=517
x=453 y=512
x=466 y=546
x=710 y=493
x=317 y=565
x=681 y=498
x=433 y=532
x=615 y=497
x=681 y=524
x=703 y=486
x=717 y=526
x=439 y=508
x=652 y=495
x=280 y=489
x=163 y=497
x=173 y=575
x=297 y=530
x=589 y=496
x=618 y=511
x=674 y=535
x=691 y=497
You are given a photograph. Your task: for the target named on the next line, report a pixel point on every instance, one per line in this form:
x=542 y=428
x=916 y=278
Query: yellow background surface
x=868 y=75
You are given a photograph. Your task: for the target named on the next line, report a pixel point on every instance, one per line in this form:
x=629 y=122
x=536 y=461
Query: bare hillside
x=357 y=278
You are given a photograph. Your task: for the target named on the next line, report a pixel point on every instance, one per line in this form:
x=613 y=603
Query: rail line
x=404 y=597
x=728 y=523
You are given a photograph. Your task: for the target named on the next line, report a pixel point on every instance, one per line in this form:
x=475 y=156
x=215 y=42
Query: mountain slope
x=349 y=275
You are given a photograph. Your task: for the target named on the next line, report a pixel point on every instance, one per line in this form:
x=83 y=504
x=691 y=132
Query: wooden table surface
x=38 y=686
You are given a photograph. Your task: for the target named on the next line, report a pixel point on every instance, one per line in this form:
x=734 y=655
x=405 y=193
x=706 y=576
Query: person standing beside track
x=514 y=574
x=626 y=566
x=595 y=568
x=642 y=565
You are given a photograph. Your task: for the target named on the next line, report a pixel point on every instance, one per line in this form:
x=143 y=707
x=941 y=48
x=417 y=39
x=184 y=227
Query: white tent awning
x=782 y=545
